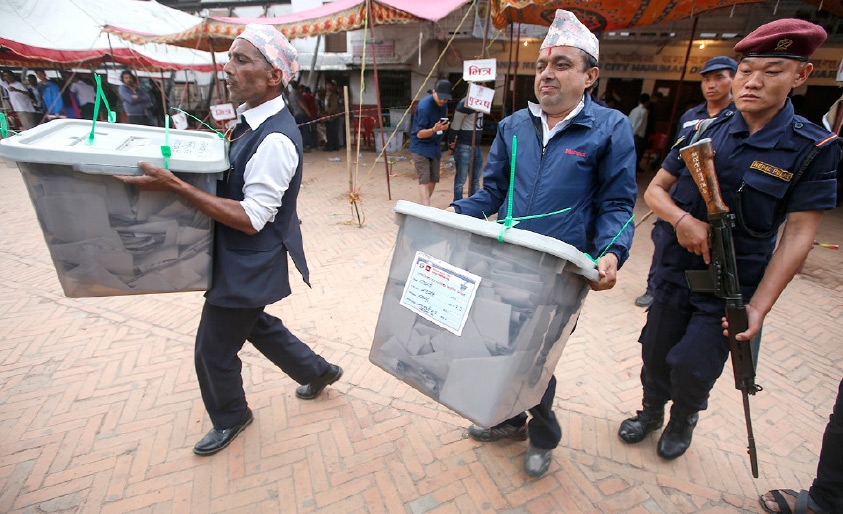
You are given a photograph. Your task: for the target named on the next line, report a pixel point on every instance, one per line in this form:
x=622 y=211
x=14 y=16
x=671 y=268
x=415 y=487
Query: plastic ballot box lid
x=116 y=148
x=107 y=238
x=472 y=322
x=581 y=264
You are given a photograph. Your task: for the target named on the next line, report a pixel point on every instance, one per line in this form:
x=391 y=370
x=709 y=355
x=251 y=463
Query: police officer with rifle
x=771 y=167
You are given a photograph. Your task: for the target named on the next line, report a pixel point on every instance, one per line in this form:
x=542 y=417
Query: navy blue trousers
x=543 y=428
x=827 y=489
x=683 y=350
x=221 y=334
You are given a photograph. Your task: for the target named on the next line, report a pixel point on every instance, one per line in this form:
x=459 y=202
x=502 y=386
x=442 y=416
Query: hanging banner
x=479 y=70
x=523 y=30
x=480 y=98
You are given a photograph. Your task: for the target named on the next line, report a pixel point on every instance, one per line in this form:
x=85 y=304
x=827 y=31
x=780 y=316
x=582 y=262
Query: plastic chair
x=367 y=130
x=656 y=146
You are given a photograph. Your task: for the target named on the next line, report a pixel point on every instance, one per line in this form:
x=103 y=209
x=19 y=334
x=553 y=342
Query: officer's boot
x=676 y=437
x=634 y=430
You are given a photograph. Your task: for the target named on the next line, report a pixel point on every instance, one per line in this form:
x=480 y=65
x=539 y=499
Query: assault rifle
x=721 y=278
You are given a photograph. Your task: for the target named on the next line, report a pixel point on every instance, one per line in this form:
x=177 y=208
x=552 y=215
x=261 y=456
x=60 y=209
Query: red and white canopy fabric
x=601 y=15
x=333 y=17
x=51 y=33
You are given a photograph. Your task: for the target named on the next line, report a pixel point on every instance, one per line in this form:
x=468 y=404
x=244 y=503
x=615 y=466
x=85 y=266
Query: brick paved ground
x=99 y=406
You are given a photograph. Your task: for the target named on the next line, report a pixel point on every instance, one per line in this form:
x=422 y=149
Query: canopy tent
x=339 y=16
x=333 y=17
x=601 y=15
x=47 y=33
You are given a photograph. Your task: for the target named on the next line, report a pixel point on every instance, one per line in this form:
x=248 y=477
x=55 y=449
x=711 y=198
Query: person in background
x=256 y=228
x=638 y=118
x=332 y=111
x=571 y=153
x=313 y=111
x=758 y=151
x=717 y=75
x=86 y=95
x=35 y=95
x=466 y=130
x=137 y=103
x=50 y=95
x=301 y=112
x=20 y=98
x=429 y=125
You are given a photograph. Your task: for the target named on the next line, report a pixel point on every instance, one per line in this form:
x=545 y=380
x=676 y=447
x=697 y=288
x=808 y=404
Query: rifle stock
x=721 y=278
x=699 y=158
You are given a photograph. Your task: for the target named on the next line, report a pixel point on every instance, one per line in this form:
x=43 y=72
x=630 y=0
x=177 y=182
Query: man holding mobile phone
x=429 y=124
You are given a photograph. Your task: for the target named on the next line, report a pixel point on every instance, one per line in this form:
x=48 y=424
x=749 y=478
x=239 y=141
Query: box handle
x=104 y=169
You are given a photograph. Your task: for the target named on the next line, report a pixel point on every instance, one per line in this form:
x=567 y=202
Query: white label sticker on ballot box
x=439 y=292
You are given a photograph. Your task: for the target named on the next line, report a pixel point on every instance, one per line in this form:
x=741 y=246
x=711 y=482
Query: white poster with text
x=479 y=70
x=480 y=98
x=439 y=292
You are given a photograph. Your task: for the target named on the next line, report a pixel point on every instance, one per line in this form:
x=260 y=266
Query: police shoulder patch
x=771 y=170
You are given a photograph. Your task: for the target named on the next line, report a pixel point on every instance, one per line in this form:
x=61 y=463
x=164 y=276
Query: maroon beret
x=789 y=37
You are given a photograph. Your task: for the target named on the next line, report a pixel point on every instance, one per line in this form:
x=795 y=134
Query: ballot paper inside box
x=477 y=324
x=107 y=238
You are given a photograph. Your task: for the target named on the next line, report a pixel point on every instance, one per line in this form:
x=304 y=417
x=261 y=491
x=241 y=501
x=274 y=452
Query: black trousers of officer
x=683 y=349
x=827 y=489
x=221 y=334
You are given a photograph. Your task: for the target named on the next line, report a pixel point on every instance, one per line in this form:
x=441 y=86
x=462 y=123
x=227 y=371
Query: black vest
x=251 y=271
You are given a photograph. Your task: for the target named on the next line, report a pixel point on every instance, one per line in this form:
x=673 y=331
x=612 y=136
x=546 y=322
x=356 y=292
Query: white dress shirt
x=269 y=172
x=547 y=132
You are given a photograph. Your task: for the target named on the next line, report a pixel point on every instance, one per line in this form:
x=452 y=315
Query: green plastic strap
x=4 y=126
x=212 y=129
x=166 y=151
x=612 y=241
x=112 y=116
x=508 y=222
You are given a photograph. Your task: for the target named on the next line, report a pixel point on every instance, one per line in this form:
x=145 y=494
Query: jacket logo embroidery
x=571 y=151
x=771 y=170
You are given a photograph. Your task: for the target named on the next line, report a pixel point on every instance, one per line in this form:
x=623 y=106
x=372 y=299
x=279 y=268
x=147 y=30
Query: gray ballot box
x=474 y=323
x=107 y=238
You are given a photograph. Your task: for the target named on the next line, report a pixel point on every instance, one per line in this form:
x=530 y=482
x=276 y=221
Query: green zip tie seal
x=166 y=151
x=612 y=241
x=100 y=97
x=212 y=129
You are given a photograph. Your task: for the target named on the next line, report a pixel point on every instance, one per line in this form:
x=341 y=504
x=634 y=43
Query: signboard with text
x=479 y=70
x=223 y=112
x=480 y=98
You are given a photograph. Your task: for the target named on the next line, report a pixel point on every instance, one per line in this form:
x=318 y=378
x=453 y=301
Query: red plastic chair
x=656 y=146
x=367 y=130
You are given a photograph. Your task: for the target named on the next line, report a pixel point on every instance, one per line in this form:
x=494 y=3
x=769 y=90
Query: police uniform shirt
x=696 y=114
x=762 y=166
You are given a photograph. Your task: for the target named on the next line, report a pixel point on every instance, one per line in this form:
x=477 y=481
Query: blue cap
x=720 y=63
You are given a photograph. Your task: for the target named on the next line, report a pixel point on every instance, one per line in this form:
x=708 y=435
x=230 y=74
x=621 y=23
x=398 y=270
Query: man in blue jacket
x=257 y=226
x=571 y=153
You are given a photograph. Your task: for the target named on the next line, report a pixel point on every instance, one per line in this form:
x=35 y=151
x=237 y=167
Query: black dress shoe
x=312 y=390
x=216 y=440
x=676 y=437
x=634 y=430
